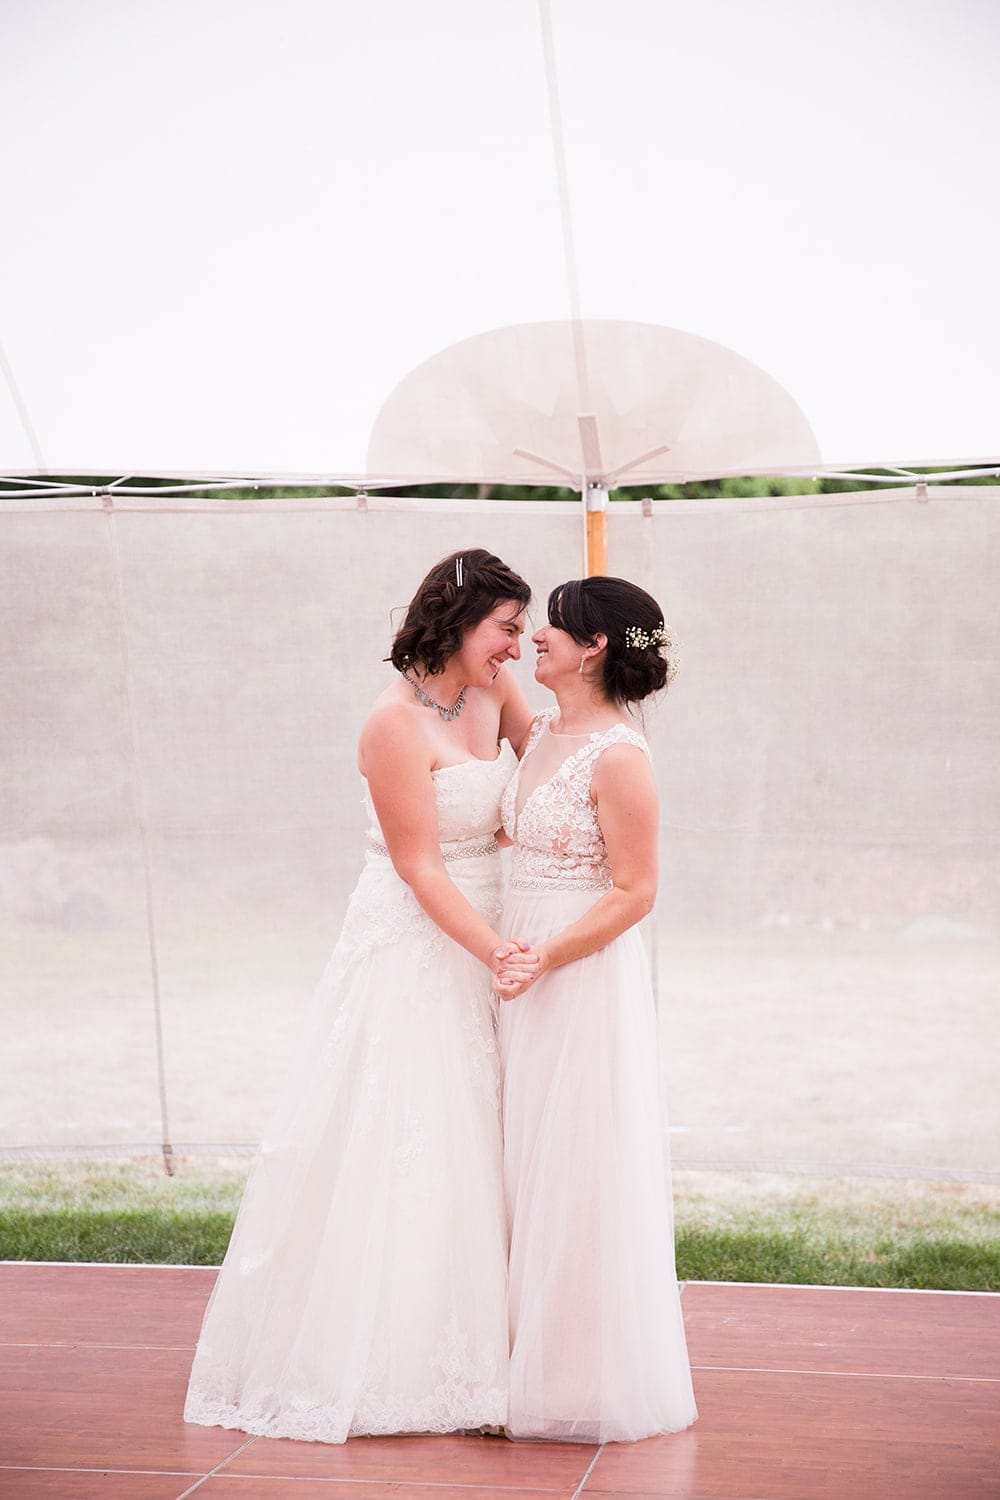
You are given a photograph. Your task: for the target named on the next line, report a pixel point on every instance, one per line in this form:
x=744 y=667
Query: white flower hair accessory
x=637 y=639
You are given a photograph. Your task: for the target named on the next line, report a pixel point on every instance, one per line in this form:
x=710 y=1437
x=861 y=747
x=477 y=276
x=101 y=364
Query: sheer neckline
x=571 y=748
x=571 y=755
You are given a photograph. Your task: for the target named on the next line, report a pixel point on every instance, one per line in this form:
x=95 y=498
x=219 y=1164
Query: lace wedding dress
x=364 y=1290
x=597 y=1340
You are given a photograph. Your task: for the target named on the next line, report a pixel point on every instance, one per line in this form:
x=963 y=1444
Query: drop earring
x=583 y=658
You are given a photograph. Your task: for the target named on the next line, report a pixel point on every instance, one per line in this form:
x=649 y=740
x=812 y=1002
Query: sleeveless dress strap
x=618 y=734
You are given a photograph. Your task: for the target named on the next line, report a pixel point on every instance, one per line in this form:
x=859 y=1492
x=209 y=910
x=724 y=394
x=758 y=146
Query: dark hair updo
x=641 y=658
x=458 y=593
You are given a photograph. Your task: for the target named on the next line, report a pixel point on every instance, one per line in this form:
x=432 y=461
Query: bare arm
x=516 y=719
x=628 y=811
x=515 y=716
x=397 y=764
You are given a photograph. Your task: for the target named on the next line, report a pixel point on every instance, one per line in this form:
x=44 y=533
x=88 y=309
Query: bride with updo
x=597 y=1340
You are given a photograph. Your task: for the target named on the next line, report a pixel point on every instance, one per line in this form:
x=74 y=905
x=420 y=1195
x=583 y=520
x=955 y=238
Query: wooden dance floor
x=803 y=1391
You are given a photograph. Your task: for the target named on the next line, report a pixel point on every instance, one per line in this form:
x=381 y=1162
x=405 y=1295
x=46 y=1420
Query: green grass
x=942 y=1264
x=844 y=1232
x=150 y=1237
x=120 y=1211
x=838 y=1232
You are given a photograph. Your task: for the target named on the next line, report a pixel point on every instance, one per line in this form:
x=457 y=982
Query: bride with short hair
x=364 y=1290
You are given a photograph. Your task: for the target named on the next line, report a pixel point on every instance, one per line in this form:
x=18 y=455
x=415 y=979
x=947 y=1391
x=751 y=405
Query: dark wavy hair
x=585 y=607
x=442 y=610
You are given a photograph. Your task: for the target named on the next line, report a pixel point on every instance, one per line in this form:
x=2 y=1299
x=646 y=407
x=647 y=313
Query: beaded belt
x=570 y=882
x=472 y=849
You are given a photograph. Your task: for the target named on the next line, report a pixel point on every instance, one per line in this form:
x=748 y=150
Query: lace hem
x=325 y=1424
x=467 y=1395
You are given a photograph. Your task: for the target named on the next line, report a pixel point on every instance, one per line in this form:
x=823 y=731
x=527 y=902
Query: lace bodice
x=558 y=844
x=466 y=797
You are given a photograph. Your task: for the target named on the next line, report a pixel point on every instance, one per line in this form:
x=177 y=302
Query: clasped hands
x=515 y=966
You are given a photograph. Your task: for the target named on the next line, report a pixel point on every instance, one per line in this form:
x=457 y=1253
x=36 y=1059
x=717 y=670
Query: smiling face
x=558 y=655
x=486 y=646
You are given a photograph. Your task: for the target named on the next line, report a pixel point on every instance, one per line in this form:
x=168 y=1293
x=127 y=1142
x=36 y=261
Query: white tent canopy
x=231 y=230
x=542 y=241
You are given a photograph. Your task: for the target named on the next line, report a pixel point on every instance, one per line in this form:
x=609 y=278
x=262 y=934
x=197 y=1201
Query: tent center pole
x=595 y=499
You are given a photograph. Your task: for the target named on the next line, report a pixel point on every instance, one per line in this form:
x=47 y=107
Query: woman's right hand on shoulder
x=516 y=718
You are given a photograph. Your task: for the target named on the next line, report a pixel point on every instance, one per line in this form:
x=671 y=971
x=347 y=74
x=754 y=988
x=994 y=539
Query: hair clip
x=459 y=572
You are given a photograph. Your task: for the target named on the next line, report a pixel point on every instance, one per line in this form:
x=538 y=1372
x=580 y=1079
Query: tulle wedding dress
x=597 y=1341
x=364 y=1290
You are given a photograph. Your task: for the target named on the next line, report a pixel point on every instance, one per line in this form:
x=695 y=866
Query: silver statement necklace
x=446 y=713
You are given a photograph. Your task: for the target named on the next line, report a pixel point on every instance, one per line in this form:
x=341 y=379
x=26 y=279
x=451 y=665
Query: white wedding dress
x=598 y=1351
x=364 y=1289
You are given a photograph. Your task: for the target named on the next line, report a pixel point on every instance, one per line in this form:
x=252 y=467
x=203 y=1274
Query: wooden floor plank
x=230 y=1487
x=804 y=1393
x=103 y=1408
x=825 y=1328
x=437 y=1460
x=786 y=1437
x=82 y=1304
x=97 y=1484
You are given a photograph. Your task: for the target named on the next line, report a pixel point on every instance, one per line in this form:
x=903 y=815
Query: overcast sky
x=231 y=227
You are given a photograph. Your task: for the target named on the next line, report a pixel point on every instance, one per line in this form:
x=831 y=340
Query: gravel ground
x=813 y=1052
